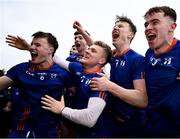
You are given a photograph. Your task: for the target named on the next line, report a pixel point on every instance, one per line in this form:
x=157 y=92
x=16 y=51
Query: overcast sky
x=25 y=17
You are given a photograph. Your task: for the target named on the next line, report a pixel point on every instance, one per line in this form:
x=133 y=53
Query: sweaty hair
x=127 y=20
x=107 y=50
x=165 y=9
x=50 y=38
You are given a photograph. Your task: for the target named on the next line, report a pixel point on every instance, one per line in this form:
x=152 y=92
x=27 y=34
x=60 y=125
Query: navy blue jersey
x=83 y=93
x=70 y=97
x=161 y=73
x=124 y=69
x=32 y=85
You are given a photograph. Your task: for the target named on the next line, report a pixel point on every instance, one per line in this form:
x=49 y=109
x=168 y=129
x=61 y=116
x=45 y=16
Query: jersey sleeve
x=12 y=72
x=75 y=68
x=68 y=80
x=138 y=68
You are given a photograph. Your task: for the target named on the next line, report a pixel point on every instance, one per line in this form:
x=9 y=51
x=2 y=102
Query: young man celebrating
x=36 y=78
x=90 y=112
x=126 y=85
x=162 y=68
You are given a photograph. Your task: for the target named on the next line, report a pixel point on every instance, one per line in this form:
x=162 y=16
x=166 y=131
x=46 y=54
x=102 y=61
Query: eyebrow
x=93 y=49
x=151 y=21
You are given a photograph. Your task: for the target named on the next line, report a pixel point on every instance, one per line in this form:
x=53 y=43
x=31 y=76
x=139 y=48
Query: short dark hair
x=76 y=33
x=127 y=20
x=107 y=50
x=50 y=38
x=165 y=9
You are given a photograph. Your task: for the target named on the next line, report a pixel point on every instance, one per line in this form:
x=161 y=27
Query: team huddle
x=76 y=97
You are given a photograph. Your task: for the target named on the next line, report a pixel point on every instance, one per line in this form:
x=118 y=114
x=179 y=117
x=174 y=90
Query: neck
x=91 y=69
x=121 y=48
x=164 y=46
x=45 y=65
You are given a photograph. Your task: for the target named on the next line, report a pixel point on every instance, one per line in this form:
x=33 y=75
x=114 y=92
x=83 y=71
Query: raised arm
x=84 y=33
x=61 y=62
x=17 y=42
x=87 y=117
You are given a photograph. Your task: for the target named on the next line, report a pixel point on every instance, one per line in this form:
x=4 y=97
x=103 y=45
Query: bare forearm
x=88 y=39
x=135 y=97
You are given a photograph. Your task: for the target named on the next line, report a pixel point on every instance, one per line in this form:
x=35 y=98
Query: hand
x=17 y=42
x=78 y=26
x=178 y=77
x=52 y=105
x=99 y=84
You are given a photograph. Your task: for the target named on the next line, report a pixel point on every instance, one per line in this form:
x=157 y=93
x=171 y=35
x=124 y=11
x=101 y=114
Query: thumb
x=62 y=98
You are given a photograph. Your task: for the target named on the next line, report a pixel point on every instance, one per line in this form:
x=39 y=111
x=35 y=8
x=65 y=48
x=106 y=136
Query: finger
x=46 y=103
x=62 y=98
x=47 y=100
x=46 y=108
x=94 y=89
x=11 y=39
x=77 y=23
x=12 y=45
x=74 y=25
x=20 y=38
x=50 y=98
x=93 y=80
x=93 y=83
x=10 y=36
x=62 y=101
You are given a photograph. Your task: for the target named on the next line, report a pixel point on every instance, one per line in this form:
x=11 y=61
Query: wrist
x=62 y=110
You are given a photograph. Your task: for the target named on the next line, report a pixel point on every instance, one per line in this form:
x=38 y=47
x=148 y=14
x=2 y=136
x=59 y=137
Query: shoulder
x=21 y=66
x=134 y=56
x=75 y=65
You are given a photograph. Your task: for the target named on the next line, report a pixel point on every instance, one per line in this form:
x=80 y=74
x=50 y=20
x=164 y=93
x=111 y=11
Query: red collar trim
x=170 y=47
x=95 y=71
x=33 y=67
x=122 y=53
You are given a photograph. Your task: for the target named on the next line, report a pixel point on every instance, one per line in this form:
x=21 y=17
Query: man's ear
x=131 y=35
x=173 y=27
x=102 y=61
x=51 y=50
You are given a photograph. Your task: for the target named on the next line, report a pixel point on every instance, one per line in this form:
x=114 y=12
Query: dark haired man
x=36 y=78
x=126 y=84
x=162 y=70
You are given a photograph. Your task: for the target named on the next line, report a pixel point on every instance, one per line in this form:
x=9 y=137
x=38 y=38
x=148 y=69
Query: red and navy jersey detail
x=32 y=84
x=125 y=68
x=83 y=94
x=161 y=73
x=83 y=89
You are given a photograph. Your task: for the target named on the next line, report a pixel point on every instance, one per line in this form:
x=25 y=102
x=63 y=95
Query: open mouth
x=115 y=34
x=77 y=45
x=34 y=54
x=150 y=37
